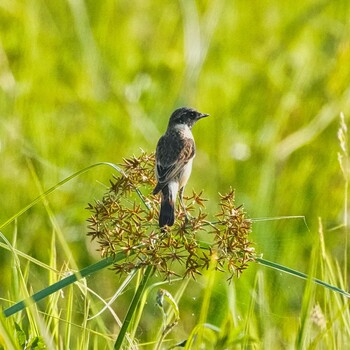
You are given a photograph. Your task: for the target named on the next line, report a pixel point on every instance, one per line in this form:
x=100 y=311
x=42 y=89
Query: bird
x=174 y=156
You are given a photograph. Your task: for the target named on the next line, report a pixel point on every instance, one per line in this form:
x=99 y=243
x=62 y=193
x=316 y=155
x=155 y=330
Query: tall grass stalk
x=343 y=158
x=195 y=340
x=132 y=308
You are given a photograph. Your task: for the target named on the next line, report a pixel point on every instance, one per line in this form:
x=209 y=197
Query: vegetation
x=87 y=82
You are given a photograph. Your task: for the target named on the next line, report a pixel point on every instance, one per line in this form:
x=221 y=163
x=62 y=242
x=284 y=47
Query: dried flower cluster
x=126 y=219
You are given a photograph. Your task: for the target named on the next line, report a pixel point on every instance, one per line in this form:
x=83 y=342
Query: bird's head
x=186 y=116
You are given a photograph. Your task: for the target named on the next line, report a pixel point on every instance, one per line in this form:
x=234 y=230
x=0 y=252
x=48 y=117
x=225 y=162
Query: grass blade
x=63 y=283
x=53 y=188
x=301 y=275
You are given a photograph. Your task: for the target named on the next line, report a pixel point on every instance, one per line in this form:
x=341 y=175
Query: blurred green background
x=89 y=81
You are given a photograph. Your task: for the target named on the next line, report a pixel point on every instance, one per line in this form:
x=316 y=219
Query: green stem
x=132 y=308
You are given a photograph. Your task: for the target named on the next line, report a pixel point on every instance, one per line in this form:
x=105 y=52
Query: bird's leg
x=187 y=216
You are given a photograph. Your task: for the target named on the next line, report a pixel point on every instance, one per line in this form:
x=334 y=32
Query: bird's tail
x=167 y=209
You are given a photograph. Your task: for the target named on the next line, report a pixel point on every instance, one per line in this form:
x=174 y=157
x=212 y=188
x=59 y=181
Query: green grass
x=83 y=82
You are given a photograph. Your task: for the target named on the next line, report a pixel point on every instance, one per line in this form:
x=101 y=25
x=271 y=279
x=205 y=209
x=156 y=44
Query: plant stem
x=132 y=308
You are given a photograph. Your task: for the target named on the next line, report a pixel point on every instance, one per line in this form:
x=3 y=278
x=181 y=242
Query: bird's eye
x=192 y=114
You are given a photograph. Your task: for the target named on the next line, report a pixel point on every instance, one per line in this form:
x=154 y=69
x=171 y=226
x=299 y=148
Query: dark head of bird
x=186 y=116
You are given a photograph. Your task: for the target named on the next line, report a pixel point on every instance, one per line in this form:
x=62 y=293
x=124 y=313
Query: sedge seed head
x=126 y=220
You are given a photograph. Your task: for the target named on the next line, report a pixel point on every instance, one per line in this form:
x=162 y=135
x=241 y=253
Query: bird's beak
x=203 y=115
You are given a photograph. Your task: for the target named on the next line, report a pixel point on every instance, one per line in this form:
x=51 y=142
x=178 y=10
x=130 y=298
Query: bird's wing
x=171 y=160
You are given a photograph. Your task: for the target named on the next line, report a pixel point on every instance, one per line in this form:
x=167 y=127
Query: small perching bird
x=174 y=155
